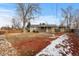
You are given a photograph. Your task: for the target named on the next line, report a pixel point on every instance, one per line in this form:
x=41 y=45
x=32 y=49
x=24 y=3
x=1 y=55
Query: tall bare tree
x=76 y=18
x=67 y=15
x=26 y=12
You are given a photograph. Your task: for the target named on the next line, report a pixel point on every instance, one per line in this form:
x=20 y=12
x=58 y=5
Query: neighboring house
x=43 y=28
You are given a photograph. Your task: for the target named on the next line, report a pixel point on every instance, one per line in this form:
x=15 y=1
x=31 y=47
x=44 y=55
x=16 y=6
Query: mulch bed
x=74 y=44
x=32 y=46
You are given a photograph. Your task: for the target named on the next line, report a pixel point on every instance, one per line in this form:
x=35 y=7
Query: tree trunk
x=23 y=28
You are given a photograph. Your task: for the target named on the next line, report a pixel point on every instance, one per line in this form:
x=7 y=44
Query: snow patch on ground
x=58 y=47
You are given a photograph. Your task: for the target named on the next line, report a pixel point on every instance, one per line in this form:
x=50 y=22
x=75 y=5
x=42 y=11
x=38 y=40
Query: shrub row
x=2 y=32
x=10 y=31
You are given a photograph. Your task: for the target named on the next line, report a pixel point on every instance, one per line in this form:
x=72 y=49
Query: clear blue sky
x=50 y=12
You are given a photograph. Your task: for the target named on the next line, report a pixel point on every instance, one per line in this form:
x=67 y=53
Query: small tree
x=28 y=26
x=16 y=24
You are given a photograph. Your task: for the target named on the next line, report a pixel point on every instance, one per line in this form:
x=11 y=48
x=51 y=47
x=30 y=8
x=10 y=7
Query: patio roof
x=47 y=25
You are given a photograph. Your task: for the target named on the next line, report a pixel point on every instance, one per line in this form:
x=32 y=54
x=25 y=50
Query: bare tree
x=68 y=16
x=16 y=24
x=76 y=19
x=26 y=12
